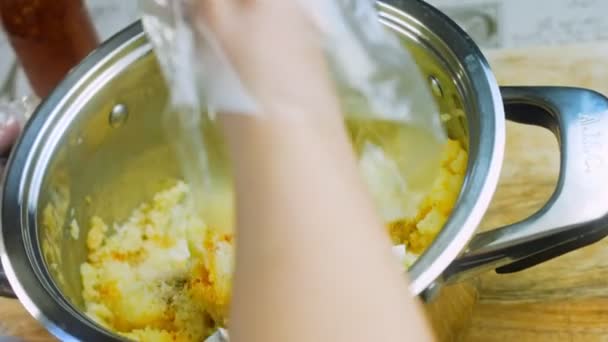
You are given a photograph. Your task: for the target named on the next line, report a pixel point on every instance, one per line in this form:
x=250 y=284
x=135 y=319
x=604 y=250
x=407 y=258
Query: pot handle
x=13 y=116
x=5 y=286
x=576 y=215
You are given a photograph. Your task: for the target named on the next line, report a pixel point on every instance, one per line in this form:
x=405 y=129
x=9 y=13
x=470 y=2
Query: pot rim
x=487 y=142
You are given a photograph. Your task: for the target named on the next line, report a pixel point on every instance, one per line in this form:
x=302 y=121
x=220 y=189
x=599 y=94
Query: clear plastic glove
x=215 y=56
x=199 y=43
x=277 y=33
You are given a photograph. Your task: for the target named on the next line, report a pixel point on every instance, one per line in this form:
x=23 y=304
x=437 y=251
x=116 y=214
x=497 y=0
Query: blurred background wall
x=492 y=23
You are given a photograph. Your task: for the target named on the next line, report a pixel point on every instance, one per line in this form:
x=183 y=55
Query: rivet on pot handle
x=576 y=215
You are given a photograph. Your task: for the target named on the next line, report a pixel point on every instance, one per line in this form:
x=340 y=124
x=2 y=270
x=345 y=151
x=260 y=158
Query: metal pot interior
x=105 y=170
x=79 y=157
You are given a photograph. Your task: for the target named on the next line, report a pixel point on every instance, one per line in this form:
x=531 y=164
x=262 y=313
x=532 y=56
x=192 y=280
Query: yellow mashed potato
x=159 y=276
x=163 y=276
x=419 y=231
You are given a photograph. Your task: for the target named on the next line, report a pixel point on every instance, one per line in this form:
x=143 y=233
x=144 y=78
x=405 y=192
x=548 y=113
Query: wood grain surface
x=565 y=299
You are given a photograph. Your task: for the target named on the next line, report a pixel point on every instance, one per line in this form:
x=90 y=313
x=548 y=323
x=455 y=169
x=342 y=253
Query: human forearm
x=304 y=217
x=313 y=261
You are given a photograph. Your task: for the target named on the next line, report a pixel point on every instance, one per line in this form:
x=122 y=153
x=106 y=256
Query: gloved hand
x=9 y=132
x=13 y=115
x=264 y=40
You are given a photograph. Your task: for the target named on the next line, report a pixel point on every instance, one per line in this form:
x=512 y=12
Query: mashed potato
x=159 y=276
x=164 y=276
x=419 y=231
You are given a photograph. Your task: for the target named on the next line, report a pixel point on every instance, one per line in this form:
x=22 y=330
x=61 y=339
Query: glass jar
x=49 y=37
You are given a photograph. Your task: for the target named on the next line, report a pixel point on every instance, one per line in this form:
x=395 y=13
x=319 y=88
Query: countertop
x=565 y=299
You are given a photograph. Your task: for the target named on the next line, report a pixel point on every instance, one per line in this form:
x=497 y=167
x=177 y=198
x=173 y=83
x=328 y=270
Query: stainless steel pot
x=96 y=146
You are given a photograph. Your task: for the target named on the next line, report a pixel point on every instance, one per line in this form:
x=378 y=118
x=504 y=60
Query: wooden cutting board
x=562 y=300
x=565 y=299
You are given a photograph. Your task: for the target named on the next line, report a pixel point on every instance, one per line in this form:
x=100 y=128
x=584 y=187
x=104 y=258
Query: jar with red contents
x=49 y=37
